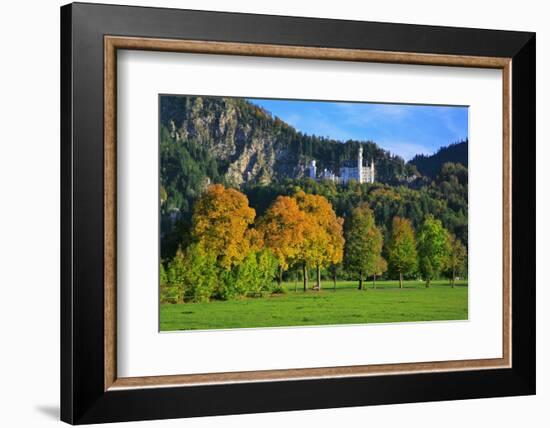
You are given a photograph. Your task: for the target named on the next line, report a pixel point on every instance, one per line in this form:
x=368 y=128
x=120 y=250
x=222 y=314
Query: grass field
x=346 y=305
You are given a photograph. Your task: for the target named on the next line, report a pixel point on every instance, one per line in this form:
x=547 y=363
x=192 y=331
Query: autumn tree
x=363 y=242
x=255 y=239
x=456 y=261
x=433 y=248
x=402 y=255
x=380 y=266
x=221 y=220
x=324 y=243
x=283 y=229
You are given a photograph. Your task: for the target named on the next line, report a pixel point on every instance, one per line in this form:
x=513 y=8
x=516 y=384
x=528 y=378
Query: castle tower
x=360 y=165
x=372 y=170
x=312 y=170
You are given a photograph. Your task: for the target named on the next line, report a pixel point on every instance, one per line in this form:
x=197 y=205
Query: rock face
x=243 y=138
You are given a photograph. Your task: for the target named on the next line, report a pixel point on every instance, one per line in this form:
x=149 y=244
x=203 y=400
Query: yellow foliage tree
x=324 y=243
x=380 y=266
x=284 y=228
x=221 y=225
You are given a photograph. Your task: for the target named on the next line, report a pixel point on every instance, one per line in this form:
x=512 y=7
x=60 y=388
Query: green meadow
x=344 y=305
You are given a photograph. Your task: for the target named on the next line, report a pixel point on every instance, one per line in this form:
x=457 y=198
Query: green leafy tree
x=227 y=287
x=402 y=255
x=254 y=275
x=163 y=277
x=168 y=294
x=433 y=248
x=245 y=279
x=456 y=262
x=266 y=267
x=172 y=285
x=363 y=243
x=199 y=274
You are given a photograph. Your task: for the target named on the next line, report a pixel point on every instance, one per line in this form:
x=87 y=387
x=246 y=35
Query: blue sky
x=405 y=130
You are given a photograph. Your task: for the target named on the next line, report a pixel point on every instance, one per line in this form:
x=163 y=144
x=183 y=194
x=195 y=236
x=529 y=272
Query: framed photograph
x=267 y=213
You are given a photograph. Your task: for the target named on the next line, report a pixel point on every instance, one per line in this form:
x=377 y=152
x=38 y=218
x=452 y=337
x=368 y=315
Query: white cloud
x=368 y=114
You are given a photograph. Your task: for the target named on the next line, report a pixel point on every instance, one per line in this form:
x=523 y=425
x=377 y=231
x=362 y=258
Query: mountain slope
x=245 y=141
x=431 y=165
x=250 y=145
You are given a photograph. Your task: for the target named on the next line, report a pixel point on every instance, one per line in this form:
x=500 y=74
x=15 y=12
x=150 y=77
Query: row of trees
x=230 y=257
x=231 y=253
x=430 y=252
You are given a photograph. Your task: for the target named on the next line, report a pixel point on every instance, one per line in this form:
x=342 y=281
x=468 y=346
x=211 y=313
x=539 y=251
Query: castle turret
x=360 y=165
x=372 y=170
x=312 y=170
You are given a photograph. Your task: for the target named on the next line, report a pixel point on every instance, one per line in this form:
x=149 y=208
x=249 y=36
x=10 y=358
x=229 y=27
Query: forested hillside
x=430 y=165
x=445 y=198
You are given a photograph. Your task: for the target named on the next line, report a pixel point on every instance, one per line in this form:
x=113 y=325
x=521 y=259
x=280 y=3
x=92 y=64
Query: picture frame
x=91 y=35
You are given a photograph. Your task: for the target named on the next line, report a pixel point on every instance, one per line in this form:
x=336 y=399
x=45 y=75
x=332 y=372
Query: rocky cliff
x=248 y=144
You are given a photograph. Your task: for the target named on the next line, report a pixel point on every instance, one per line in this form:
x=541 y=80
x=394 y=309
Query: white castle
x=359 y=173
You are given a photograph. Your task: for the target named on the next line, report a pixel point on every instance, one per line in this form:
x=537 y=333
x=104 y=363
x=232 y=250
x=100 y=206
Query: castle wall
x=361 y=174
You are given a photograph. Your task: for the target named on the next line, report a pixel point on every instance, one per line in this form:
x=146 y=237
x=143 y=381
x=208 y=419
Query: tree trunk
x=400 y=280
x=280 y=276
x=374 y=281
x=296 y=283
x=318 y=278
x=334 y=278
x=304 y=270
x=360 y=280
x=428 y=283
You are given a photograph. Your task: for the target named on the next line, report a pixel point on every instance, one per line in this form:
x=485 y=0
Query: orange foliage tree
x=221 y=225
x=284 y=228
x=324 y=243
